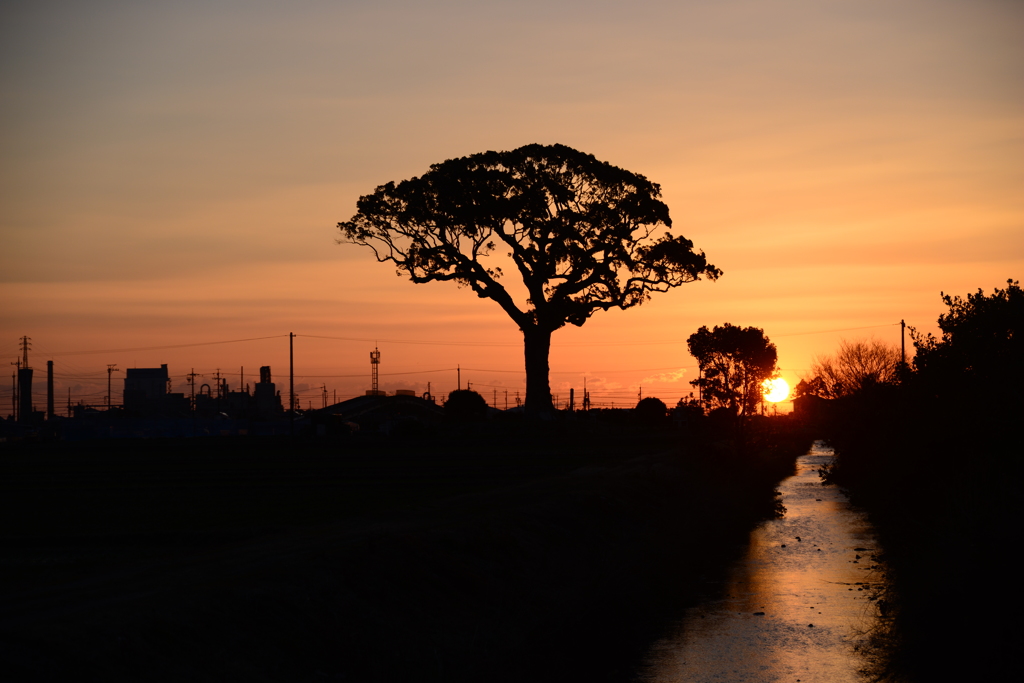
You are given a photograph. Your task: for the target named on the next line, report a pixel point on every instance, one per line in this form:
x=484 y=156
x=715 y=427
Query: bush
x=465 y=405
x=651 y=411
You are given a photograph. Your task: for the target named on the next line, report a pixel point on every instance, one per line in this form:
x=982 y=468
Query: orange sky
x=173 y=174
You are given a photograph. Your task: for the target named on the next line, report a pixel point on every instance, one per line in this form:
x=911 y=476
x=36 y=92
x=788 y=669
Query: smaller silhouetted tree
x=734 y=362
x=465 y=405
x=854 y=366
x=805 y=388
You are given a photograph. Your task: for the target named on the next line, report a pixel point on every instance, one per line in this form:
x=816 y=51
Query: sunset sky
x=173 y=173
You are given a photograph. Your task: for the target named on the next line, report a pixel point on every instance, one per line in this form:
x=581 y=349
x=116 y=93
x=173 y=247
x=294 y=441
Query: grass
x=484 y=552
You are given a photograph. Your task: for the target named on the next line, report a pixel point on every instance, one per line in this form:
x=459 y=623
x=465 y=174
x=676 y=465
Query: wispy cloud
x=665 y=377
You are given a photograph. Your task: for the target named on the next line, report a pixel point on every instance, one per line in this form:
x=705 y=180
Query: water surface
x=796 y=608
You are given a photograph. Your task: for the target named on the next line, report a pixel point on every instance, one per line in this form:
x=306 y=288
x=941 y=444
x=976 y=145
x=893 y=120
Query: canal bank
x=552 y=560
x=798 y=606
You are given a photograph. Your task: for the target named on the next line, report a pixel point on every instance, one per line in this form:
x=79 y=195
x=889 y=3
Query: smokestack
x=25 y=395
x=49 y=390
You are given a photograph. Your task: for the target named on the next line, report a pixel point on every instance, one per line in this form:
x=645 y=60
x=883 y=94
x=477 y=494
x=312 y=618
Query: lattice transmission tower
x=375 y=370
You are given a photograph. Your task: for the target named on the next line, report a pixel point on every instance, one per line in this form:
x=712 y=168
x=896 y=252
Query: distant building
x=379 y=412
x=812 y=410
x=146 y=394
x=266 y=398
x=145 y=391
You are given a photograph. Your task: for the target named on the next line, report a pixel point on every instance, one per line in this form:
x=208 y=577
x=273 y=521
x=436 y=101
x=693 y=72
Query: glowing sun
x=775 y=390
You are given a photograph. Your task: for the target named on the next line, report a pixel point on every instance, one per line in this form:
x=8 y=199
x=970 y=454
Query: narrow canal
x=797 y=607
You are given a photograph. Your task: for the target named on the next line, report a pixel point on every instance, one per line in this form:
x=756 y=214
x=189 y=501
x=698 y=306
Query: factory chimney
x=49 y=390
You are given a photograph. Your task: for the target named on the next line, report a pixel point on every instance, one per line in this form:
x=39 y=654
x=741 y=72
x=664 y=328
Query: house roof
x=383 y=407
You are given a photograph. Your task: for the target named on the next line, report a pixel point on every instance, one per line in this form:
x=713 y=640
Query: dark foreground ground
x=943 y=496
x=480 y=553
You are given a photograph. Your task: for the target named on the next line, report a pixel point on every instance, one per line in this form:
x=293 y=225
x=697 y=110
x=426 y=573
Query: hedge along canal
x=800 y=604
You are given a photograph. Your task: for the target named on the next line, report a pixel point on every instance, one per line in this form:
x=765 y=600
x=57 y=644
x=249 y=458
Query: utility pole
x=903 y=344
x=291 y=379
x=25 y=383
x=14 y=390
x=192 y=383
x=700 y=386
x=458 y=369
x=111 y=369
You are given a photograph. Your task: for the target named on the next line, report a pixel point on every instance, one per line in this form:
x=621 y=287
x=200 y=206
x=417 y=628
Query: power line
x=844 y=329
x=76 y=377
x=168 y=346
x=434 y=343
x=363 y=374
x=583 y=344
x=587 y=372
x=408 y=341
x=608 y=372
x=487 y=344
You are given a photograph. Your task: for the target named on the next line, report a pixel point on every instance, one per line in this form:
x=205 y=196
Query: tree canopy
x=980 y=356
x=854 y=366
x=581 y=234
x=734 y=362
x=982 y=335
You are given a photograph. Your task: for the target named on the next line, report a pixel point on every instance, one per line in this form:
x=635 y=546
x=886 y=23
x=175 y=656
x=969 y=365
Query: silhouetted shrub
x=465 y=405
x=724 y=419
x=651 y=411
x=688 y=412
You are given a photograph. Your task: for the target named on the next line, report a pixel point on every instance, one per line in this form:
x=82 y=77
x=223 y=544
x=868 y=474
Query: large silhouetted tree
x=583 y=236
x=734 y=362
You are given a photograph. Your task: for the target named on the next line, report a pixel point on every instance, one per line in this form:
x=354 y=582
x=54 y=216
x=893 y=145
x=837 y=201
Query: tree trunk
x=537 y=345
